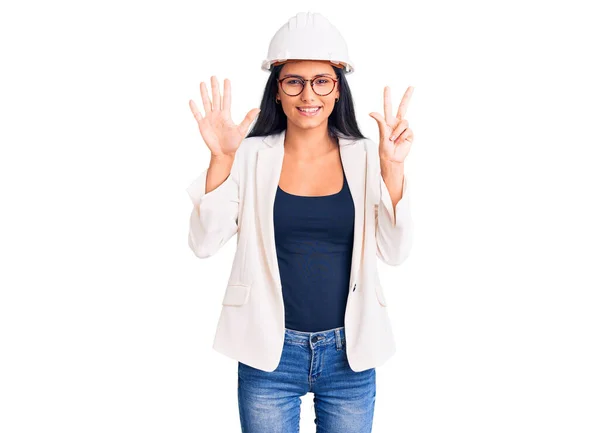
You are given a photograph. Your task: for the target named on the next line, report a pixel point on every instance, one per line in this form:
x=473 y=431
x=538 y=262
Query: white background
x=106 y=316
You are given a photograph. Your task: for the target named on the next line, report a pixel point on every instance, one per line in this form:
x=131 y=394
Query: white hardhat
x=308 y=36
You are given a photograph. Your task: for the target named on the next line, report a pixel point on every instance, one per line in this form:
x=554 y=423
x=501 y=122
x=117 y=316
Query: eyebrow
x=300 y=76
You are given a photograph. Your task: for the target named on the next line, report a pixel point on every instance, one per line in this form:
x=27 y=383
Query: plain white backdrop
x=106 y=316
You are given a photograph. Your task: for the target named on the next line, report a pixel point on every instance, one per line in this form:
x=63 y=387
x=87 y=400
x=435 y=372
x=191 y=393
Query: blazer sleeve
x=394 y=237
x=214 y=217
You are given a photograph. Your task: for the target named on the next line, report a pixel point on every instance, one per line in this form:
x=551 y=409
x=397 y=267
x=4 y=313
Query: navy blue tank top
x=314 y=238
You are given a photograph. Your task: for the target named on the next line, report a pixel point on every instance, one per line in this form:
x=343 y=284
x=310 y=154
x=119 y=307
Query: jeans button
x=315 y=339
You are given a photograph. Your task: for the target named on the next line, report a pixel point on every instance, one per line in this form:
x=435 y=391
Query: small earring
x=337 y=99
x=277 y=101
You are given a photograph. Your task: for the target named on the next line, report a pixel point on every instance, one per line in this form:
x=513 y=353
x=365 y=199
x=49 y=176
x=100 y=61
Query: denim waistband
x=330 y=336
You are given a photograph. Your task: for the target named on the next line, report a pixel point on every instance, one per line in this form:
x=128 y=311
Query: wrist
x=222 y=158
x=391 y=168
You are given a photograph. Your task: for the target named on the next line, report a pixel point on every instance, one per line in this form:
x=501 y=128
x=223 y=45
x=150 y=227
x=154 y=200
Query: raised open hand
x=221 y=135
x=395 y=137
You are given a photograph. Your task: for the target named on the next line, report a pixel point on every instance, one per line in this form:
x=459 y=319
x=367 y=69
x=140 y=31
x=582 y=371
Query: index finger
x=404 y=103
x=387 y=104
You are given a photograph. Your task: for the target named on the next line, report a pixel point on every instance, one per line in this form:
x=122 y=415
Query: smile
x=309 y=112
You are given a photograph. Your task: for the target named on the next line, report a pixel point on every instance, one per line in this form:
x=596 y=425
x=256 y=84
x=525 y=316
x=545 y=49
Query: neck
x=307 y=144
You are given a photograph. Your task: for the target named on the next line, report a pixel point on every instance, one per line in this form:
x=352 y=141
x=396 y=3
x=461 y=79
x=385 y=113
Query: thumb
x=380 y=123
x=252 y=114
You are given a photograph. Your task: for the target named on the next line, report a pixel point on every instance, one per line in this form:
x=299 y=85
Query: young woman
x=314 y=203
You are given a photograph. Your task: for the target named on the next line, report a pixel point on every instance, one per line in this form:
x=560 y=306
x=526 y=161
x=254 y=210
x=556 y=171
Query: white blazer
x=252 y=322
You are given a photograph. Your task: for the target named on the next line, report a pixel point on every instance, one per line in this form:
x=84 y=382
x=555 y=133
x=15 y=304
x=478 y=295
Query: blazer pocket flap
x=236 y=294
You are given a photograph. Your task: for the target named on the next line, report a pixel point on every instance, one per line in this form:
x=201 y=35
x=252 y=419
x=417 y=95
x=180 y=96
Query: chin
x=308 y=123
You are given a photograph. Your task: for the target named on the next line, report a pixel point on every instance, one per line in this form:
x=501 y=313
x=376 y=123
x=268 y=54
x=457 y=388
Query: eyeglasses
x=321 y=85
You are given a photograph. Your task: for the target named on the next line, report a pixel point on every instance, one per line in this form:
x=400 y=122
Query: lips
x=309 y=113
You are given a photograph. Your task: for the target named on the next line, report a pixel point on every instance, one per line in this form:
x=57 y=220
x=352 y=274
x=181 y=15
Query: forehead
x=307 y=67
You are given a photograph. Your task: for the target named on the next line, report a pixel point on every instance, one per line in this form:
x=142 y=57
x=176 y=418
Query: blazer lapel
x=268 y=171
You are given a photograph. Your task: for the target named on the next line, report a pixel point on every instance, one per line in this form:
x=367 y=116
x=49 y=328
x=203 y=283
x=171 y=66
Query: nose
x=308 y=93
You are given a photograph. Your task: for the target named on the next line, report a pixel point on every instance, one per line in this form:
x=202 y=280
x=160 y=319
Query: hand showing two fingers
x=395 y=137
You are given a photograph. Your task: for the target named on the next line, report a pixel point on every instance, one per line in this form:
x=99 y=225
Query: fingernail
x=392 y=138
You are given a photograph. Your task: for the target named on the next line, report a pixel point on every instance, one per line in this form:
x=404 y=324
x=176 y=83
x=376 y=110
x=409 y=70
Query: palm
x=219 y=132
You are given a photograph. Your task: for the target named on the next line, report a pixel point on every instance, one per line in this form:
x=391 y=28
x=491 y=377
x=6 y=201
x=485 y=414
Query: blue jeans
x=269 y=402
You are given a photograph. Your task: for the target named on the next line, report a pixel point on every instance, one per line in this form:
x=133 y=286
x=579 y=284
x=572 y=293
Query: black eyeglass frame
x=311 y=81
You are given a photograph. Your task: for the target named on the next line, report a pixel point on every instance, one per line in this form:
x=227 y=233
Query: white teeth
x=311 y=110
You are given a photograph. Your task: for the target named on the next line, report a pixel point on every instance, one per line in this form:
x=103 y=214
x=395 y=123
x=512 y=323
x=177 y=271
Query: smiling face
x=307 y=99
